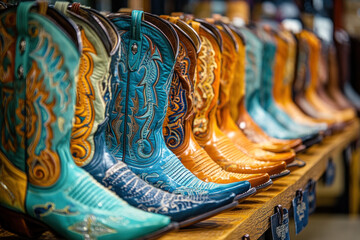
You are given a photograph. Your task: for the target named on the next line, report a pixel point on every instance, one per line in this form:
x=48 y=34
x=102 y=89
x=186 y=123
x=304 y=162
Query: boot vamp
x=268 y=123
x=222 y=150
x=80 y=205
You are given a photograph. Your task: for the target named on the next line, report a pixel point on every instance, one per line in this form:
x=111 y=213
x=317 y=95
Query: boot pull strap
x=135 y=40
x=61 y=6
x=22 y=48
x=22 y=17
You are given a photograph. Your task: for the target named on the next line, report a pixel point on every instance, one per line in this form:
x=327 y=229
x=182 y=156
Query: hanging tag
x=301 y=210
x=280 y=224
x=311 y=188
x=330 y=173
x=348 y=154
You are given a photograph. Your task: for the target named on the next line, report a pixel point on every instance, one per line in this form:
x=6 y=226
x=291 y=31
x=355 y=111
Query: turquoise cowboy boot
x=255 y=51
x=266 y=98
x=140 y=87
x=41 y=187
x=88 y=133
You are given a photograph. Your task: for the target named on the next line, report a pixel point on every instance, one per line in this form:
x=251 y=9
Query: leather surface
x=268 y=100
x=112 y=173
x=207 y=133
x=226 y=123
x=283 y=89
x=311 y=91
x=59 y=193
x=260 y=72
x=177 y=125
x=138 y=109
x=247 y=124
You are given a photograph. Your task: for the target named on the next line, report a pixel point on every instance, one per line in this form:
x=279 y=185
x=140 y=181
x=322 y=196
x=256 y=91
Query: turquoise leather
x=267 y=99
x=114 y=174
x=75 y=205
x=138 y=108
x=259 y=56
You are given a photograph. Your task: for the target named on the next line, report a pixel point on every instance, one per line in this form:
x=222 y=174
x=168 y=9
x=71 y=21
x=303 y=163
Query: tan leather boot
x=207 y=133
x=327 y=110
x=283 y=87
x=232 y=44
x=177 y=126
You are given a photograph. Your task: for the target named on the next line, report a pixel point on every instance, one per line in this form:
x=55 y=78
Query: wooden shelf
x=252 y=216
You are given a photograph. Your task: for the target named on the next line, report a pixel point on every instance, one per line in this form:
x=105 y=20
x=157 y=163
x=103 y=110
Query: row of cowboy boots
x=146 y=107
x=116 y=134
x=43 y=88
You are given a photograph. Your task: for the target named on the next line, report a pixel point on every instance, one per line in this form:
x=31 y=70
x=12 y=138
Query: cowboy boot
x=207 y=133
x=275 y=124
x=237 y=95
x=309 y=134
x=333 y=87
x=245 y=121
x=282 y=90
x=325 y=74
x=252 y=80
x=177 y=125
x=302 y=80
x=311 y=90
x=41 y=187
x=140 y=86
x=112 y=173
x=232 y=45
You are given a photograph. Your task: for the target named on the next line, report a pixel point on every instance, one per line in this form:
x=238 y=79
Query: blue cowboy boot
x=140 y=87
x=112 y=173
x=274 y=71
x=41 y=187
x=256 y=54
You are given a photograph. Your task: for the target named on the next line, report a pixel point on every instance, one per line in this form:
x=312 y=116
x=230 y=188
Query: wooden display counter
x=252 y=215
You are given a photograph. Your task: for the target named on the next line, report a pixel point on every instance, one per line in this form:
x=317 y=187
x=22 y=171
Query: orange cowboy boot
x=177 y=126
x=207 y=133
x=244 y=121
x=326 y=111
x=232 y=44
x=283 y=87
x=326 y=73
x=333 y=87
x=302 y=80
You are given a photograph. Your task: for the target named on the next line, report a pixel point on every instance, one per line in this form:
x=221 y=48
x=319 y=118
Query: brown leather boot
x=232 y=45
x=326 y=110
x=207 y=133
x=177 y=126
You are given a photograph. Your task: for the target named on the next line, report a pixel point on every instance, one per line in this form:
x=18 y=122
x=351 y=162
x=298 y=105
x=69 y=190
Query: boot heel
x=20 y=223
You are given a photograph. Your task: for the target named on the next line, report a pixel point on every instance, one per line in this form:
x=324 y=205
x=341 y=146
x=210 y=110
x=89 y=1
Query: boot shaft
x=254 y=51
x=208 y=80
x=181 y=93
x=237 y=90
x=140 y=86
x=230 y=48
x=100 y=41
x=39 y=63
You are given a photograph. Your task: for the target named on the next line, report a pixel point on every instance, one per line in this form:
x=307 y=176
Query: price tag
x=311 y=188
x=330 y=173
x=301 y=210
x=280 y=224
x=348 y=154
